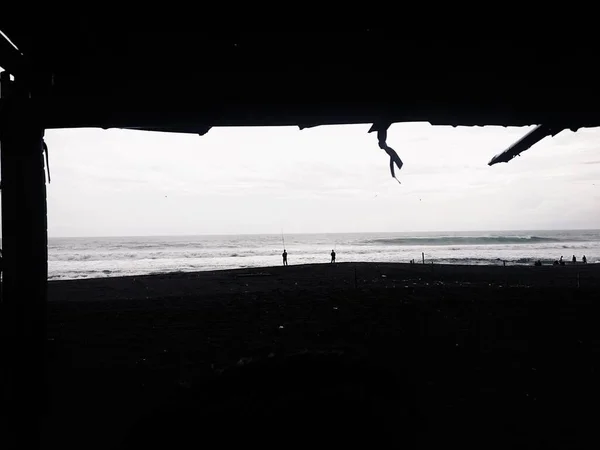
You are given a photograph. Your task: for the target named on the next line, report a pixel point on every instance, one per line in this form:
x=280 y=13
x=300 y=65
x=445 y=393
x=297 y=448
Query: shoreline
x=546 y=263
x=265 y=267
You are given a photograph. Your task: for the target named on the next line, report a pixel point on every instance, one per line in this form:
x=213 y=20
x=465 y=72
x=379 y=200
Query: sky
x=320 y=180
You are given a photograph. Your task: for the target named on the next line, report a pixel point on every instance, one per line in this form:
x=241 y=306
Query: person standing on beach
x=584 y=259
x=332 y=256
x=574 y=259
x=284 y=255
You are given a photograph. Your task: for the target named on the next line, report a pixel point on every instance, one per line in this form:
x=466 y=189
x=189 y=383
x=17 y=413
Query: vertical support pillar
x=25 y=271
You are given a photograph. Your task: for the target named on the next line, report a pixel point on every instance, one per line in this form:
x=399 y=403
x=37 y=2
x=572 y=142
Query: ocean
x=71 y=258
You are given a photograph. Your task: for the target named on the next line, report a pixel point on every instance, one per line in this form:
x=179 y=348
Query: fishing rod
x=282 y=240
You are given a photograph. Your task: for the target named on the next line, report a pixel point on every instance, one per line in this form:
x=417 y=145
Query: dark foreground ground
x=464 y=357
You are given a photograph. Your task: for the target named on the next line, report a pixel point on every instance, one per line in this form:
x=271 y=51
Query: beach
x=484 y=355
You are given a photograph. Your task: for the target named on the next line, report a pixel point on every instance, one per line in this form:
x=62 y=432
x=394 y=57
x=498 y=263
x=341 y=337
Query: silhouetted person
x=574 y=259
x=561 y=262
x=584 y=259
x=332 y=256
x=284 y=255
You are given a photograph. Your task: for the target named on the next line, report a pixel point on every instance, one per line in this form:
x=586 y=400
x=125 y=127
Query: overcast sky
x=325 y=179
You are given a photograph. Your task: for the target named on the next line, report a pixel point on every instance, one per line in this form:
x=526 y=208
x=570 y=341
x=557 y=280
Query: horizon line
x=315 y=233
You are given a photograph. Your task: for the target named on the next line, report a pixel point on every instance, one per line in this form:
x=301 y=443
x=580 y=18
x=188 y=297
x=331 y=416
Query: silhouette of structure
x=382 y=139
x=94 y=70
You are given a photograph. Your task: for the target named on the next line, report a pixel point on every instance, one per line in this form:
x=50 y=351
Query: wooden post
x=423 y=257
x=25 y=271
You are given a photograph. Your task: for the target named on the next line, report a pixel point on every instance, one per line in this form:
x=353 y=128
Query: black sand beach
x=475 y=356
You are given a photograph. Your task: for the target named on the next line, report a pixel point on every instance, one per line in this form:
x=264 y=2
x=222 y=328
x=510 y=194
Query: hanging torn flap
x=382 y=138
x=45 y=149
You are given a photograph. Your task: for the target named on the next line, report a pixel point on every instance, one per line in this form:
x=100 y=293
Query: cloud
x=247 y=180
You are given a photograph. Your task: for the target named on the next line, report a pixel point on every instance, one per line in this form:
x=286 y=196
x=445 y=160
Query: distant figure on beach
x=538 y=263
x=584 y=259
x=574 y=259
x=332 y=256
x=284 y=255
x=560 y=261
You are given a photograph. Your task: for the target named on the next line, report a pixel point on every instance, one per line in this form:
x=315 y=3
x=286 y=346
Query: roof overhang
x=88 y=71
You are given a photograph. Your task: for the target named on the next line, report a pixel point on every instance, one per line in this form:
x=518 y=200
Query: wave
x=483 y=261
x=467 y=240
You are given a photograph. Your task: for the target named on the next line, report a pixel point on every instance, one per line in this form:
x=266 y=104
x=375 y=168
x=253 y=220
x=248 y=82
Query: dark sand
x=479 y=357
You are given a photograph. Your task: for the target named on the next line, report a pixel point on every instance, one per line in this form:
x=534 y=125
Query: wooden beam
x=526 y=142
x=25 y=274
x=10 y=58
x=186 y=115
